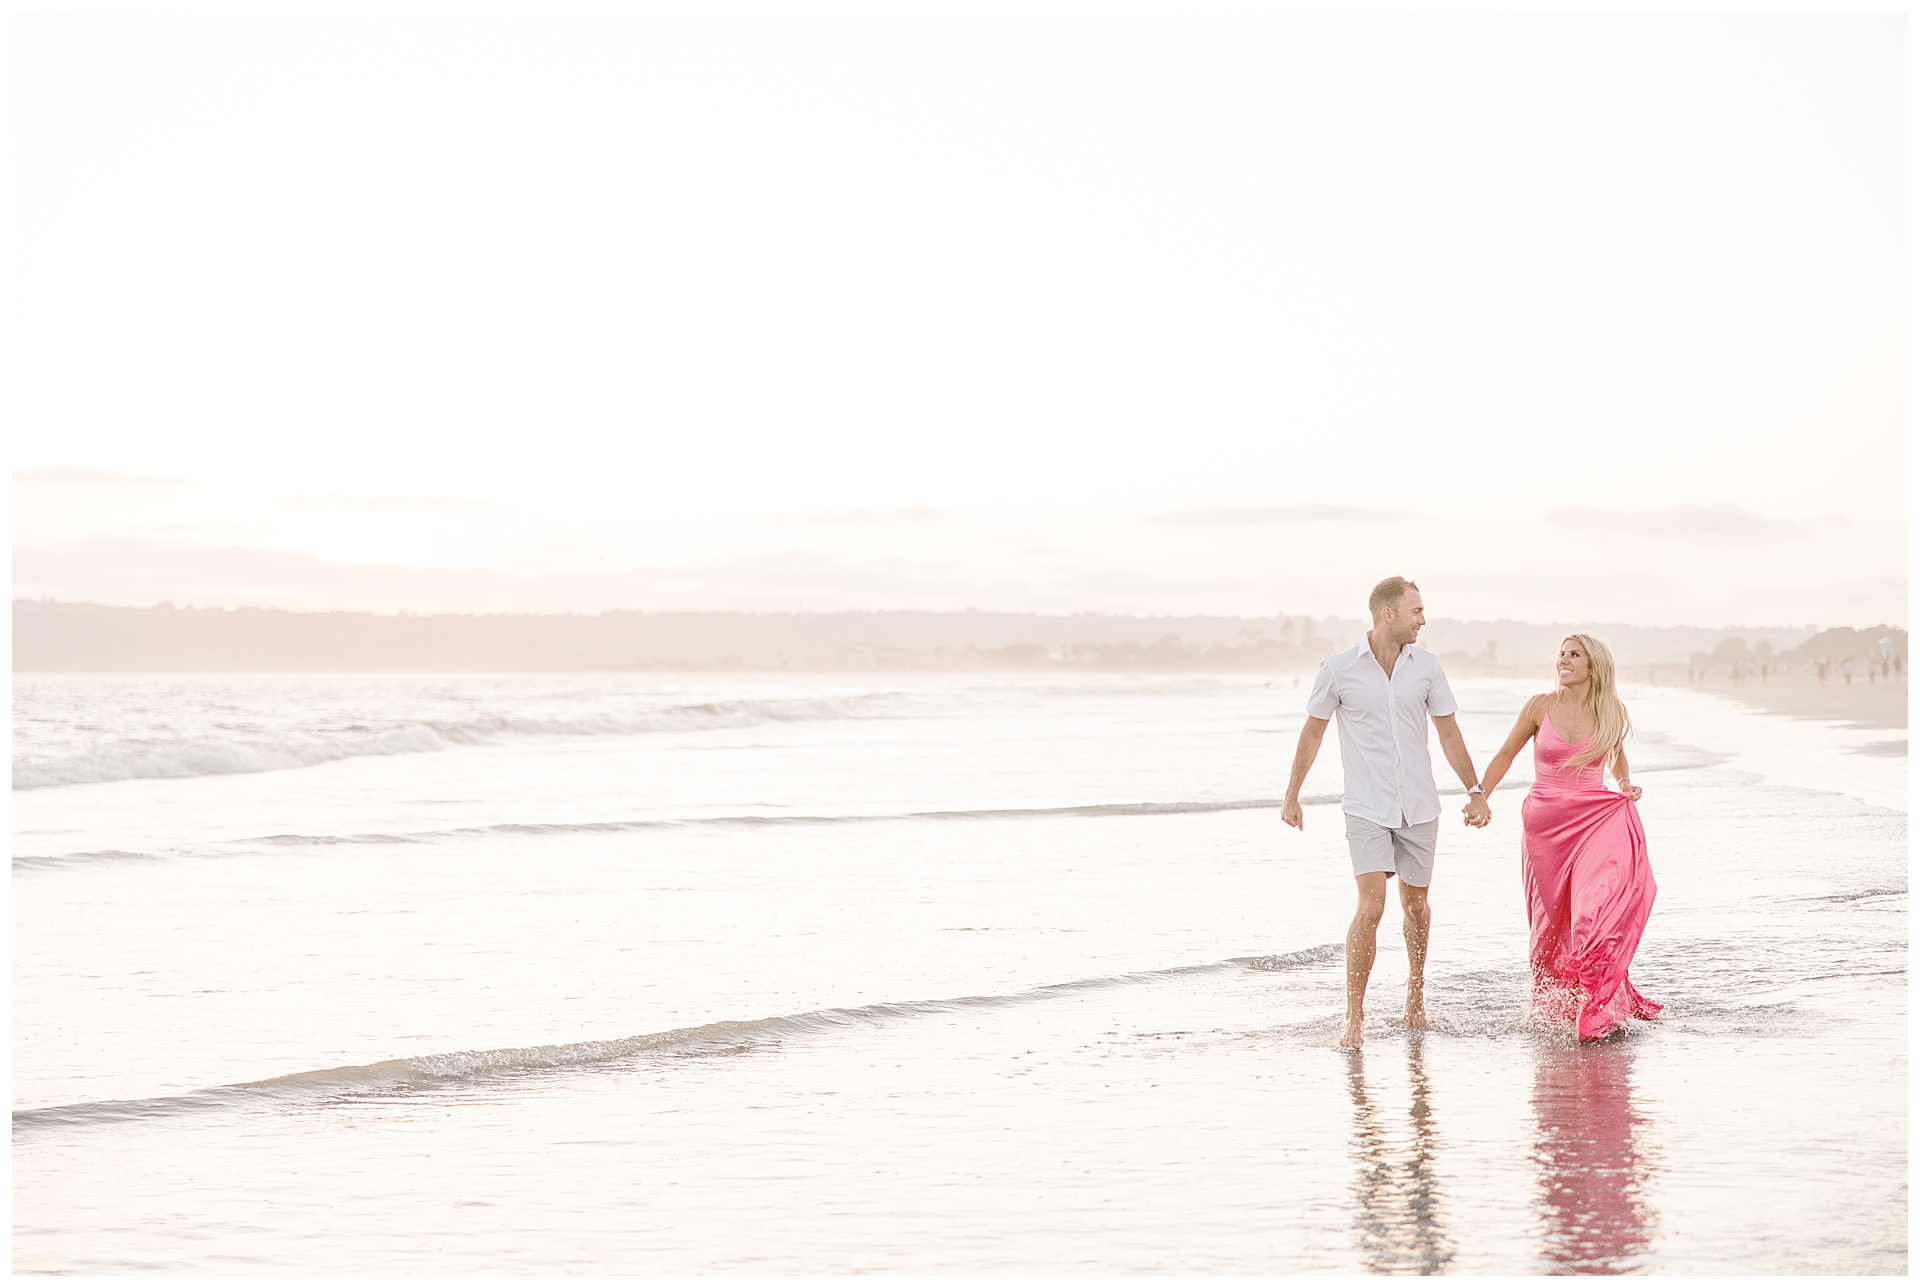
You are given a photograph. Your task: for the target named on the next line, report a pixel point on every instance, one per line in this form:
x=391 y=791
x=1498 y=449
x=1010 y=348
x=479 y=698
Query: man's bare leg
x=1415 y=919
x=1361 y=939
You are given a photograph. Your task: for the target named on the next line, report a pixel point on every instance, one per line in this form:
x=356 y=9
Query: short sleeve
x=1323 y=701
x=1440 y=695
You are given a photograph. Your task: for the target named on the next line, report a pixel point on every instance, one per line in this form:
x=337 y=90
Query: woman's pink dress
x=1589 y=889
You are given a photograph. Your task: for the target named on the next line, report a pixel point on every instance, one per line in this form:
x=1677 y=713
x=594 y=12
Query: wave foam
x=199 y=757
x=400 y=1076
x=206 y=756
x=782 y=820
x=737 y=820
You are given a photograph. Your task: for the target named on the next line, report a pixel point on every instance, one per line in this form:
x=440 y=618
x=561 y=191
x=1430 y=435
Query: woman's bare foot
x=1350 y=1038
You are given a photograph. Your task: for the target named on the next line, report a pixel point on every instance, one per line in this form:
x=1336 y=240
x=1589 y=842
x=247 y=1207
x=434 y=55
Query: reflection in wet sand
x=1398 y=1215
x=1592 y=1173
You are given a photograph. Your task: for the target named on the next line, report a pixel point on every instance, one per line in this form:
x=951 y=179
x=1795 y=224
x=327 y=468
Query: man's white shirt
x=1383 y=730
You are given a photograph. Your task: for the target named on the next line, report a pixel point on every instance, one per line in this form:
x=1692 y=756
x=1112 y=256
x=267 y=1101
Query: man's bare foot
x=1416 y=1010
x=1350 y=1039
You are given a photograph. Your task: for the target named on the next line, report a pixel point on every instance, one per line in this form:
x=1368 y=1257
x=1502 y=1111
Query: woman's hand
x=1478 y=812
x=1632 y=792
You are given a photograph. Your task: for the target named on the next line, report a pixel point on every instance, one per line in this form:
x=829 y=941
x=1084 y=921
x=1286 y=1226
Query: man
x=1384 y=690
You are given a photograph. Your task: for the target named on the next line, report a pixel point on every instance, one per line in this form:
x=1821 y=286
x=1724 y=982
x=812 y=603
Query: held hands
x=1478 y=813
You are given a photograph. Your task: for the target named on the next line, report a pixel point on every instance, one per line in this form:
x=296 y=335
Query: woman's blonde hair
x=1610 y=723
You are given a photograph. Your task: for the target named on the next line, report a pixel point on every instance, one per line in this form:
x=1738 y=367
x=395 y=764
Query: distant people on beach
x=1583 y=851
x=1384 y=691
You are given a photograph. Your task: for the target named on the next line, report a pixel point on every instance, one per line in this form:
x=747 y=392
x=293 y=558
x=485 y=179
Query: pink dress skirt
x=1590 y=889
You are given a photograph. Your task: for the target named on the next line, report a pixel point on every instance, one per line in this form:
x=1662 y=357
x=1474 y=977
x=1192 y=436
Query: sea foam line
x=1121 y=810
x=726 y=1037
x=935 y=815
x=294 y=839
x=25 y=862
x=204 y=756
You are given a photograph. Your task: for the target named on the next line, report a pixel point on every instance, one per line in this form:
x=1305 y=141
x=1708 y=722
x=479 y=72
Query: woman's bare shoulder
x=1536 y=706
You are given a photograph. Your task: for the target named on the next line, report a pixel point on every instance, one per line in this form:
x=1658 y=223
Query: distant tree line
x=1876 y=646
x=50 y=636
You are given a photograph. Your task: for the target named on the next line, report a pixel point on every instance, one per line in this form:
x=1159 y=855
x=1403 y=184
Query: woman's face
x=1574 y=667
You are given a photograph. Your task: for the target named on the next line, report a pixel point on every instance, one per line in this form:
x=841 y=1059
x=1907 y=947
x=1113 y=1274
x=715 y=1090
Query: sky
x=1567 y=317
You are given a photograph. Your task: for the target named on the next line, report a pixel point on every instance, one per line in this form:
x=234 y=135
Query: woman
x=1583 y=852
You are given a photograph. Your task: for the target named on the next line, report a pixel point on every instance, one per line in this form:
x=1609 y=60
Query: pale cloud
x=1609 y=585
x=1099 y=582
x=906 y=514
x=822 y=580
x=1858 y=599
x=802 y=572
x=1680 y=522
x=427 y=503
x=71 y=475
x=1257 y=515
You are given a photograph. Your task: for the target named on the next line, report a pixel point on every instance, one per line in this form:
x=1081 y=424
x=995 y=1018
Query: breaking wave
x=412 y=1073
x=197 y=757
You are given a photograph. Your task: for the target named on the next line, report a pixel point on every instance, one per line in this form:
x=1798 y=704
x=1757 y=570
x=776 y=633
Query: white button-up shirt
x=1383 y=730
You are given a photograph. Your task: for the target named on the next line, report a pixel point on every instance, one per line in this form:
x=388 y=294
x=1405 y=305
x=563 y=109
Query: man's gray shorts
x=1405 y=851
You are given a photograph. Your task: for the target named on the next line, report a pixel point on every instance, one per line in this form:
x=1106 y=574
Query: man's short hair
x=1388 y=594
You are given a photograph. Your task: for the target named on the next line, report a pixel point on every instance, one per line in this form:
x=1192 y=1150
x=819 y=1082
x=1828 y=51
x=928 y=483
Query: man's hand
x=1290 y=814
x=1478 y=812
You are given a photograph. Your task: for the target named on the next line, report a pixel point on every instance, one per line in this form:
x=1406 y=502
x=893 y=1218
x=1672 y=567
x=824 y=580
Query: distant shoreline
x=77 y=638
x=1877 y=704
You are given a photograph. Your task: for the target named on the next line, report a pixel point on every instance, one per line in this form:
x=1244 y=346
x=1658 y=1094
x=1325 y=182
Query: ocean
x=462 y=974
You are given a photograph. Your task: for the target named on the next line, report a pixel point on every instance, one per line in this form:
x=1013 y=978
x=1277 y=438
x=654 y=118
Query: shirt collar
x=1366 y=646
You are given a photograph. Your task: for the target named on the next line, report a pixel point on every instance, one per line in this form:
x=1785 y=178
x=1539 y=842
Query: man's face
x=1404 y=620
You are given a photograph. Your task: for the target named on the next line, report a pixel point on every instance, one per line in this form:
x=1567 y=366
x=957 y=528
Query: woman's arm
x=1524 y=728
x=1618 y=763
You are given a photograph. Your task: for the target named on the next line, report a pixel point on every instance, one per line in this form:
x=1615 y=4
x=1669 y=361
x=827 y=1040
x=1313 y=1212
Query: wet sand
x=590 y=1027
x=1881 y=704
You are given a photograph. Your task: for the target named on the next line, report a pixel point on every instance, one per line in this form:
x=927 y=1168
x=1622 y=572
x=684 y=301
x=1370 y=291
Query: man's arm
x=1454 y=745
x=1309 y=746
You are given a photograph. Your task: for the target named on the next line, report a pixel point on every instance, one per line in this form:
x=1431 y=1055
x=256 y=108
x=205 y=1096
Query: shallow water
x=924 y=974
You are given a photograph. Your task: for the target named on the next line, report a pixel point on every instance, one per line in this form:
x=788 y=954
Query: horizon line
x=935 y=612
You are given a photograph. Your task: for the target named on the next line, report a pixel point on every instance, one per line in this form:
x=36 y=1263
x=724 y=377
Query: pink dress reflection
x=1593 y=1173
x=1589 y=890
